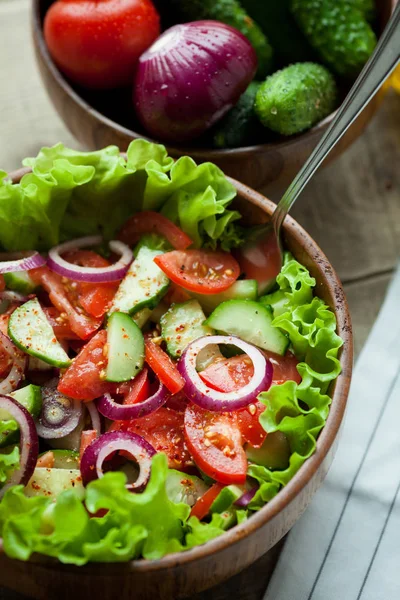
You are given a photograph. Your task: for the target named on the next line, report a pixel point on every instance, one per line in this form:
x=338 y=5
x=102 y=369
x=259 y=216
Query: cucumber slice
x=227 y=496
x=143 y=286
x=185 y=488
x=20 y=281
x=182 y=324
x=273 y=454
x=142 y=317
x=72 y=441
x=52 y=482
x=125 y=348
x=277 y=301
x=30 y=330
x=250 y=321
x=64 y=459
x=245 y=289
x=31 y=398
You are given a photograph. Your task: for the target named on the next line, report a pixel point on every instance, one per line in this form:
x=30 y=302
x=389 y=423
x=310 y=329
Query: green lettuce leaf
x=298 y=410
x=9 y=457
x=71 y=194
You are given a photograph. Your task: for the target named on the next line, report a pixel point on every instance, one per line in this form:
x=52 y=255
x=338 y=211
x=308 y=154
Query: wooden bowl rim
x=325 y=440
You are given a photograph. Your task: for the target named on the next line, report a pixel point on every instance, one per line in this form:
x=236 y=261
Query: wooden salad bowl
x=90 y=118
x=183 y=574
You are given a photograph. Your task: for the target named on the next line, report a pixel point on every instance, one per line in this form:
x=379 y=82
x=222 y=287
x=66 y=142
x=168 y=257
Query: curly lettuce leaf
x=71 y=194
x=9 y=457
x=298 y=410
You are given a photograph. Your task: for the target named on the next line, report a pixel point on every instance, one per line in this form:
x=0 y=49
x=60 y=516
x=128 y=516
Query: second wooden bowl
x=180 y=575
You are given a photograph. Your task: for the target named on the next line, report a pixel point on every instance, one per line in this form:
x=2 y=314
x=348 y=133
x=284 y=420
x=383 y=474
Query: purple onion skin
x=125 y=412
x=190 y=77
x=246 y=498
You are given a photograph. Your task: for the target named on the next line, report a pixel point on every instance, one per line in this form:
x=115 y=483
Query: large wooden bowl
x=91 y=119
x=180 y=575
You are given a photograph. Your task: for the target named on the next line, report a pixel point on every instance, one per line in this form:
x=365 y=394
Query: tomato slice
x=137 y=390
x=163 y=367
x=83 y=325
x=202 y=507
x=261 y=261
x=2 y=283
x=285 y=367
x=152 y=222
x=176 y=295
x=87 y=437
x=60 y=324
x=46 y=460
x=163 y=429
x=215 y=443
x=82 y=380
x=202 y=271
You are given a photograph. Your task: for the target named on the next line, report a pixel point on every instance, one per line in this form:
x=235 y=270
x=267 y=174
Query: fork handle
x=379 y=66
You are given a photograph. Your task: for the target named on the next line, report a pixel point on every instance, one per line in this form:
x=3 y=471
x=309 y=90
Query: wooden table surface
x=352 y=208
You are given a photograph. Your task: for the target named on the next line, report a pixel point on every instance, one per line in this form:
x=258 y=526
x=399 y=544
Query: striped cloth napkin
x=347 y=544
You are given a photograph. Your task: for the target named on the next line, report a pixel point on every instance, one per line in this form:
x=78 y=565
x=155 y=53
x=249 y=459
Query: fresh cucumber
x=20 y=281
x=182 y=324
x=30 y=397
x=244 y=289
x=52 y=482
x=273 y=454
x=142 y=317
x=70 y=442
x=185 y=488
x=30 y=330
x=227 y=496
x=64 y=459
x=250 y=321
x=278 y=301
x=143 y=286
x=125 y=348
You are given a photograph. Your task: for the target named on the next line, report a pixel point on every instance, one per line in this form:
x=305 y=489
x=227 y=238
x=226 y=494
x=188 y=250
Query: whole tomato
x=97 y=43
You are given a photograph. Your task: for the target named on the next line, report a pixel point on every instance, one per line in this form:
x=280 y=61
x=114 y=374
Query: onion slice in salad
x=94 y=417
x=246 y=498
x=11 y=296
x=124 y=412
x=60 y=415
x=10 y=383
x=205 y=397
x=11 y=262
x=29 y=445
x=90 y=274
x=98 y=451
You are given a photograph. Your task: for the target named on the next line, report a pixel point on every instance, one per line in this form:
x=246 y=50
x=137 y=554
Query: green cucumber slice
x=185 y=488
x=273 y=454
x=277 y=301
x=72 y=441
x=244 y=289
x=250 y=321
x=64 y=459
x=30 y=330
x=143 y=286
x=20 y=281
x=142 y=317
x=52 y=482
x=227 y=496
x=30 y=397
x=125 y=348
x=182 y=324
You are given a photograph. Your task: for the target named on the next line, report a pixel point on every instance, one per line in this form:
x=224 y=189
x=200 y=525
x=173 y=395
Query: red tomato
x=215 y=442
x=82 y=380
x=60 y=325
x=200 y=271
x=163 y=367
x=177 y=402
x=97 y=43
x=261 y=262
x=203 y=504
x=5 y=361
x=137 y=390
x=66 y=302
x=285 y=367
x=2 y=283
x=46 y=460
x=163 y=429
x=176 y=295
x=87 y=437
x=152 y=222
x=95 y=298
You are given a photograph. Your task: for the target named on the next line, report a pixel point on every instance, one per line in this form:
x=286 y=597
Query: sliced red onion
x=125 y=412
x=11 y=296
x=20 y=261
x=98 y=451
x=90 y=274
x=94 y=417
x=246 y=498
x=60 y=415
x=202 y=395
x=10 y=383
x=29 y=445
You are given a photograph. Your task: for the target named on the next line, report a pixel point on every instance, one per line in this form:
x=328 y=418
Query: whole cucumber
x=231 y=13
x=237 y=127
x=295 y=98
x=338 y=31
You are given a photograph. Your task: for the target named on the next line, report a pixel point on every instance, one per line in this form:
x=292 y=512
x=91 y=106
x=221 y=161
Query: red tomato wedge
x=152 y=222
x=83 y=325
x=137 y=390
x=87 y=437
x=202 y=271
x=2 y=283
x=82 y=380
x=261 y=262
x=215 y=443
x=285 y=367
x=46 y=460
x=163 y=429
x=203 y=504
x=163 y=367
x=60 y=325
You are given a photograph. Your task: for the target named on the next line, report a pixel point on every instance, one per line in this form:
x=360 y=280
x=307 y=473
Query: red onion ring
x=20 y=261
x=246 y=498
x=29 y=445
x=125 y=412
x=59 y=416
x=13 y=296
x=94 y=417
x=90 y=274
x=205 y=397
x=10 y=383
x=97 y=452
